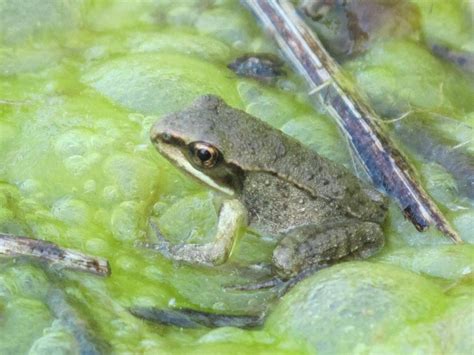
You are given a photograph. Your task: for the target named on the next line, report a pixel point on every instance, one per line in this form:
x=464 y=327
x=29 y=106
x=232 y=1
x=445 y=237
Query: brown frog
x=273 y=184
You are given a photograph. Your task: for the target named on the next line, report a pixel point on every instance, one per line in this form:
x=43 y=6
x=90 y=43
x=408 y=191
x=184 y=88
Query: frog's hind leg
x=232 y=217
x=314 y=246
x=188 y=318
x=307 y=249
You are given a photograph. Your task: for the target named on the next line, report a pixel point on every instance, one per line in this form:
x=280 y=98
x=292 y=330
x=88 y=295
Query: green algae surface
x=82 y=82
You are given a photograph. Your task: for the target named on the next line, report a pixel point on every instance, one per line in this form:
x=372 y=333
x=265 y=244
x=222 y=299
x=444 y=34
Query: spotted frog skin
x=273 y=184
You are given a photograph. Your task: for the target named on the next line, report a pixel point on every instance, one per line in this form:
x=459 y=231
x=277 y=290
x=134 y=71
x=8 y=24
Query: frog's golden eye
x=204 y=154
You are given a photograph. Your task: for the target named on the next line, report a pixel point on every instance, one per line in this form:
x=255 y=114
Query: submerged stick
x=188 y=318
x=69 y=259
x=12 y=102
x=86 y=339
x=385 y=165
x=433 y=146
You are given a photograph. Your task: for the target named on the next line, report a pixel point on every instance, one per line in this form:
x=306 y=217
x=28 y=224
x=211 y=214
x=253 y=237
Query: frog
x=272 y=184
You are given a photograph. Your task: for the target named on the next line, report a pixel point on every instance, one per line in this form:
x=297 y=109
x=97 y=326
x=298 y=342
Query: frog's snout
x=155 y=132
x=160 y=135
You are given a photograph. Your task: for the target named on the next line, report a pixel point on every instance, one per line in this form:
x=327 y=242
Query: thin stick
x=86 y=338
x=12 y=102
x=385 y=165
x=69 y=259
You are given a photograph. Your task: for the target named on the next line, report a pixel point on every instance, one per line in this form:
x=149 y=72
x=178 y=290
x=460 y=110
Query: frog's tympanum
x=319 y=211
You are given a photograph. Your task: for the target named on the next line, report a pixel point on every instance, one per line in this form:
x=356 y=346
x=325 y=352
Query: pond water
x=81 y=84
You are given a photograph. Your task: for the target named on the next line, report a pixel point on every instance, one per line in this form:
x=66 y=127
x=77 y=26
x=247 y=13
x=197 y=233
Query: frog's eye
x=204 y=154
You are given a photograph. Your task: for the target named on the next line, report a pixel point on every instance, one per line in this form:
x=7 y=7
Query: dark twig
x=14 y=246
x=386 y=166
x=188 y=318
x=87 y=341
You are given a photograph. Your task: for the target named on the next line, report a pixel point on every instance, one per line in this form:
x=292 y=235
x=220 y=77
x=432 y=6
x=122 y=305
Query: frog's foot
x=231 y=217
x=274 y=282
x=188 y=318
x=279 y=285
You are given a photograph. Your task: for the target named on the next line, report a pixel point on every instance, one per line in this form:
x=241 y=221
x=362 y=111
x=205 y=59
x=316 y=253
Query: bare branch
x=14 y=246
x=385 y=165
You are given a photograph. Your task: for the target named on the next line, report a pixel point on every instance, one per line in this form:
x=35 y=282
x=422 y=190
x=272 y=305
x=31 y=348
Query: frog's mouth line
x=176 y=156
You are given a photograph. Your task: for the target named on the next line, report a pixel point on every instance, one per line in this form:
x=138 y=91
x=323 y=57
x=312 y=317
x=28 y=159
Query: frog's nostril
x=158 y=134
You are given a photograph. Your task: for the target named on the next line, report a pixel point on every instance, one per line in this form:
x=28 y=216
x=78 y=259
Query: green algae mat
x=81 y=82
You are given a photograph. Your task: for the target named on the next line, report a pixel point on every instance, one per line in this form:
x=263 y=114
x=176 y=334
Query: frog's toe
x=158 y=235
x=161 y=245
x=285 y=261
x=274 y=282
x=278 y=285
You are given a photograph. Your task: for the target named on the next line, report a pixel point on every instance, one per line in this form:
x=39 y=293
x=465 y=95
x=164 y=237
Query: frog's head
x=195 y=140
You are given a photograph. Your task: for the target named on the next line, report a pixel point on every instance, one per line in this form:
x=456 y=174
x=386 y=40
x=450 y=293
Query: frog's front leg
x=314 y=247
x=232 y=217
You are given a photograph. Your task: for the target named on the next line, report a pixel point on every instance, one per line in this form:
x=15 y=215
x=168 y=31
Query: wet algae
x=81 y=84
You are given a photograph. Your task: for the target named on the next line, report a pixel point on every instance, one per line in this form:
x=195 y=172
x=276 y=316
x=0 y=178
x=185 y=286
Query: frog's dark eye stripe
x=204 y=154
x=169 y=138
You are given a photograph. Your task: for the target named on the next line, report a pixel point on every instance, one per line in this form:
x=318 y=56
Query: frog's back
x=256 y=147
